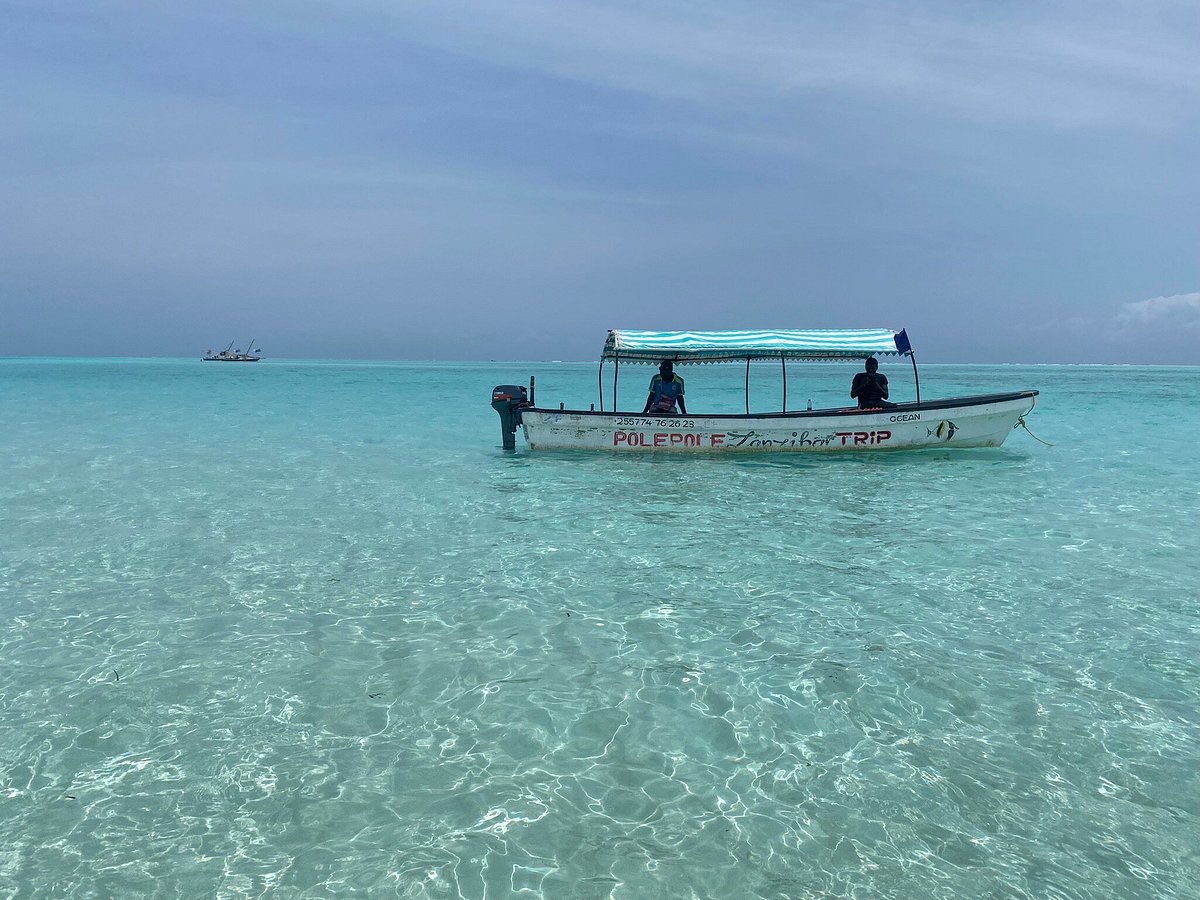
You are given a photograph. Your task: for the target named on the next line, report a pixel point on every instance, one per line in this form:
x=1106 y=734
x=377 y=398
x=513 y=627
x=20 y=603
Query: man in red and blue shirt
x=666 y=390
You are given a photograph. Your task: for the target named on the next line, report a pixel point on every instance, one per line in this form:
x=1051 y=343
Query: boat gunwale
x=909 y=406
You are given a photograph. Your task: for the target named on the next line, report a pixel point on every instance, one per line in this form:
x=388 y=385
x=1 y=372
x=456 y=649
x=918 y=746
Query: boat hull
x=982 y=421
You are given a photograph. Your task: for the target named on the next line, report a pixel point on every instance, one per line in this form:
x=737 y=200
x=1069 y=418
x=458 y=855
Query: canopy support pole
x=916 y=377
x=747 y=385
x=616 y=369
x=783 y=362
x=600 y=382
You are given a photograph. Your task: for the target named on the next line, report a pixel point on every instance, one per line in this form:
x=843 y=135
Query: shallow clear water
x=303 y=629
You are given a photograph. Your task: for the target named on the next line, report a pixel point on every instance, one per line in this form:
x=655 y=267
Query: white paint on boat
x=983 y=421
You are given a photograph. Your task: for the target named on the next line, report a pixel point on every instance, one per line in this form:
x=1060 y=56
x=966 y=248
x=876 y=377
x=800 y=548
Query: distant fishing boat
x=977 y=421
x=228 y=355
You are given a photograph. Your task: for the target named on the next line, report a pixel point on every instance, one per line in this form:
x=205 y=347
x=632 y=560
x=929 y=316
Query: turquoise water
x=303 y=630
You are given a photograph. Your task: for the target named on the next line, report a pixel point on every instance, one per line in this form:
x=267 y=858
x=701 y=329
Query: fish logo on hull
x=944 y=431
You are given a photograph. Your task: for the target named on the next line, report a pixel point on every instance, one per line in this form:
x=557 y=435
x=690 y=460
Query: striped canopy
x=714 y=346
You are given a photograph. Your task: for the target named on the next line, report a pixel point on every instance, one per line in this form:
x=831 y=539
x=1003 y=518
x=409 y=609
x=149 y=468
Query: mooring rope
x=1021 y=422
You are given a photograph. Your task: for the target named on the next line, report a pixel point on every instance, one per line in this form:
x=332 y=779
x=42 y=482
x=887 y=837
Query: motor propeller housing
x=508 y=400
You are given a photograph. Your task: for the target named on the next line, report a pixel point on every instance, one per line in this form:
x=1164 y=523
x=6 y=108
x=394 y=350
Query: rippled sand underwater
x=304 y=630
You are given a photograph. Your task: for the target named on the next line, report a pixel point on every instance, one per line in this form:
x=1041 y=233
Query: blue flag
x=902 y=344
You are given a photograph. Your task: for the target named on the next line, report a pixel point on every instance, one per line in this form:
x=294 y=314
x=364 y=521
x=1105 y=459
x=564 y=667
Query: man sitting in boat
x=871 y=387
x=666 y=389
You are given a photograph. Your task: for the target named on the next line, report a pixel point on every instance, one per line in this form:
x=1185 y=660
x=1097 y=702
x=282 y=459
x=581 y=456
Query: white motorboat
x=228 y=355
x=975 y=421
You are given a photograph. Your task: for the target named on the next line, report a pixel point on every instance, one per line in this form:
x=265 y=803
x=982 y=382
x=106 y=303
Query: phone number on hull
x=633 y=421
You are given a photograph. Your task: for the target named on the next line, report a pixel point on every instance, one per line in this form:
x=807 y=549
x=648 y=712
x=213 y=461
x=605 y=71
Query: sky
x=508 y=179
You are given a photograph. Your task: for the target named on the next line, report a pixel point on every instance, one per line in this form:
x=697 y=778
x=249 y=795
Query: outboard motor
x=508 y=400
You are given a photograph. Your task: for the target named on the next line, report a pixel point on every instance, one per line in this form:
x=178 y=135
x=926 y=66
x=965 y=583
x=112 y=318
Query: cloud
x=1073 y=325
x=1155 y=318
x=1066 y=63
x=1176 y=310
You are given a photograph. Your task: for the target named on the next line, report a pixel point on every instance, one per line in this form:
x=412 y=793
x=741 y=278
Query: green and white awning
x=714 y=346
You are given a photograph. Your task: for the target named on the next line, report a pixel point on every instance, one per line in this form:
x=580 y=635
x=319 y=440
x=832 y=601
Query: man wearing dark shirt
x=870 y=387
